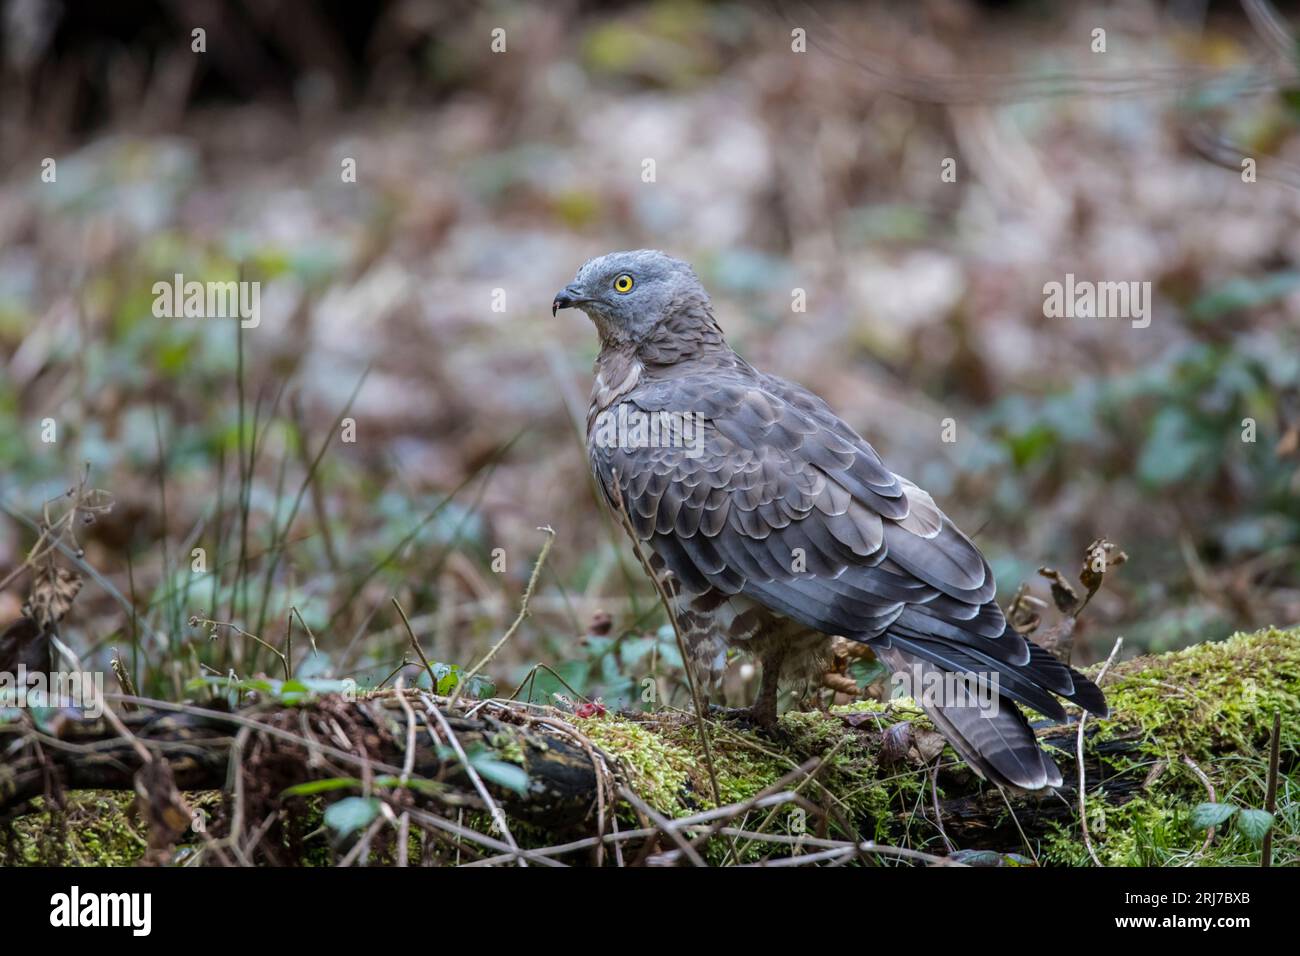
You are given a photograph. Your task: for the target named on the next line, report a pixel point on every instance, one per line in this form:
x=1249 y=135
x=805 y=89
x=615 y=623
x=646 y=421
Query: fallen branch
x=653 y=768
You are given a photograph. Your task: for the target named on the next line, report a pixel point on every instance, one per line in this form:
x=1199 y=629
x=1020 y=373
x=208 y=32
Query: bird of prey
x=773 y=526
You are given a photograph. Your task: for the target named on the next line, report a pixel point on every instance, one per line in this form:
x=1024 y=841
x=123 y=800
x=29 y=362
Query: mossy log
x=1181 y=723
x=197 y=747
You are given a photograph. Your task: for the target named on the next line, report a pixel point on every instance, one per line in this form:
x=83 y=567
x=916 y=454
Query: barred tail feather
x=1000 y=745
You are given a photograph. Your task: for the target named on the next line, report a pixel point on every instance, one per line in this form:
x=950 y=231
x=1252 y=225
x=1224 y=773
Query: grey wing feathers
x=788 y=505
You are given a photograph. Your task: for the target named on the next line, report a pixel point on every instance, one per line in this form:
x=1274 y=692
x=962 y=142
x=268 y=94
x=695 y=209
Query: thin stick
x=1016 y=820
x=196 y=621
x=622 y=836
x=1209 y=788
x=600 y=766
x=419 y=651
x=934 y=796
x=514 y=626
x=362 y=846
x=509 y=854
x=850 y=849
x=240 y=720
x=662 y=825
x=1083 y=791
x=806 y=771
x=110 y=715
x=123 y=678
x=408 y=766
x=1270 y=801
x=498 y=815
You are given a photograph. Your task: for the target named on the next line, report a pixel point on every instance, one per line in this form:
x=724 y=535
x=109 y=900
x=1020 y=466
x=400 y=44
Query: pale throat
x=617 y=372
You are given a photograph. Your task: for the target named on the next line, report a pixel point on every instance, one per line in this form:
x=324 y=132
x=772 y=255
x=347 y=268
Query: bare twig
x=851 y=849
x=419 y=651
x=1270 y=799
x=498 y=815
x=1209 y=789
x=514 y=626
x=197 y=621
x=408 y=766
x=662 y=825
x=934 y=797
x=1083 y=786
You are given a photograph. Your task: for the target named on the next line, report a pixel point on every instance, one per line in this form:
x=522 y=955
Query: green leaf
x=1245 y=293
x=501 y=773
x=989 y=858
x=1174 y=449
x=351 y=814
x=1255 y=824
x=1206 y=815
x=312 y=787
x=293 y=691
x=384 y=782
x=865 y=673
x=447 y=676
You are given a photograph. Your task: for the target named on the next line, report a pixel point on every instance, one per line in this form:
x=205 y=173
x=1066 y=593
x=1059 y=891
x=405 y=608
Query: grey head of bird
x=628 y=294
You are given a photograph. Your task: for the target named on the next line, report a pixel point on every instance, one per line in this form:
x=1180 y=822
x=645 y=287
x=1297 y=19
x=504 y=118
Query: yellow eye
x=623 y=283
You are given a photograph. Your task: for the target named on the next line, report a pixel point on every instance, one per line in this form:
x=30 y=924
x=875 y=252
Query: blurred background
x=415 y=302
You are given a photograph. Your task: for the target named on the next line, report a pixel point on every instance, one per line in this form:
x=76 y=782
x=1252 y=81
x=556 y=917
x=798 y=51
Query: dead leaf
x=852 y=650
x=52 y=594
x=904 y=741
x=163 y=809
x=1100 y=557
x=1022 y=612
x=1064 y=595
x=896 y=742
x=928 y=744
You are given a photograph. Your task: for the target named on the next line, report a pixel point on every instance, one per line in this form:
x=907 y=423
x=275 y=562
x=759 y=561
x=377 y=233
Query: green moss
x=662 y=772
x=98 y=828
x=1213 y=703
x=1209 y=698
x=664 y=762
x=507 y=747
x=1136 y=833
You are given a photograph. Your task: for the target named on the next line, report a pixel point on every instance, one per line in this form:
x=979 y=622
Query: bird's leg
x=764 y=710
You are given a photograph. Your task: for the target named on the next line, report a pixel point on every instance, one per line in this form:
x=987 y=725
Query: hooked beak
x=566 y=298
